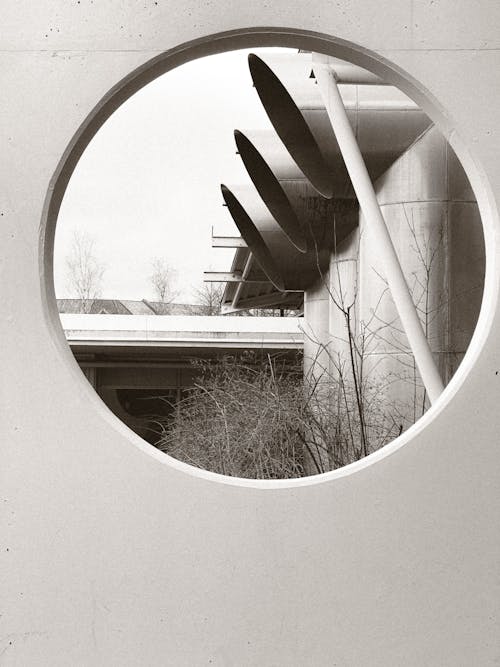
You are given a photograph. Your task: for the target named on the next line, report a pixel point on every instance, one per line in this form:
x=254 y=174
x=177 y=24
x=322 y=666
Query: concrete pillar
x=317 y=352
x=369 y=205
x=434 y=223
x=343 y=291
x=90 y=373
x=348 y=436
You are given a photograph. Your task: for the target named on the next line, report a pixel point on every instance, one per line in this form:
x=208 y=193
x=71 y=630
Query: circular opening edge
x=254 y=38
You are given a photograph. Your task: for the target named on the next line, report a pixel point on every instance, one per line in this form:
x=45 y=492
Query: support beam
x=228 y=277
x=246 y=271
x=285 y=300
x=346 y=72
x=228 y=242
x=369 y=205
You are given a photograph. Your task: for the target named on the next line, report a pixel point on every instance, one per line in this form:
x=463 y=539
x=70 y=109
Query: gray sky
x=148 y=184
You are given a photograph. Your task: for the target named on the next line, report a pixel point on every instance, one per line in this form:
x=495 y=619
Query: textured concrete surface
x=113 y=554
x=436 y=228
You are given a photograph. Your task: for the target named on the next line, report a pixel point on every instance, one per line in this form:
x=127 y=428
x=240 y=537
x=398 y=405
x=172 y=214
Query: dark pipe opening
x=253 y=238
x=270 y=190
x=290 y=125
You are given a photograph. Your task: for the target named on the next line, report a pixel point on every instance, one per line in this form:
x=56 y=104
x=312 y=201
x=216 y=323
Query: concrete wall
x=436 y=229
x=115 y=555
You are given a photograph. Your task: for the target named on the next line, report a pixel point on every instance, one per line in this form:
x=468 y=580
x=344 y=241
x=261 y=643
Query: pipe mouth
x=253 y=238
x=290 y=125
x=270 y=190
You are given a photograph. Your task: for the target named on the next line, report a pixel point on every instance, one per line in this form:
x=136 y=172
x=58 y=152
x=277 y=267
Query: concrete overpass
x=140 y=364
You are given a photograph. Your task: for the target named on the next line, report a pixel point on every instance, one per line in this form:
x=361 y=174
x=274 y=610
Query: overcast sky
x=148 y=184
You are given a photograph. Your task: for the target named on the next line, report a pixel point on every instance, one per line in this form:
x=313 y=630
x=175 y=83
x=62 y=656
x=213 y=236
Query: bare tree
x=242 y=418
x=209 y=297
x=262 y=420
x=162 y=279
x=268 y=421
x=84 y=269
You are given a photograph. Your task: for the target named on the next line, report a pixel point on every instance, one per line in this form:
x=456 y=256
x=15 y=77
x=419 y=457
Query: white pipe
x=369 y=205
x=293 y=67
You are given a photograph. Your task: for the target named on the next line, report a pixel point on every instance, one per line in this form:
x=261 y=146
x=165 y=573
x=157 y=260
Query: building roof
x=160 y=308
x=137 y=307
x=126 y=307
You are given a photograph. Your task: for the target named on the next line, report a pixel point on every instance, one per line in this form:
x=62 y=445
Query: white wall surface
x=113 y=554
x=165 y=324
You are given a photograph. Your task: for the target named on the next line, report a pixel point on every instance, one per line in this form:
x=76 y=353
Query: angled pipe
x=370 y=207
x=239 y=288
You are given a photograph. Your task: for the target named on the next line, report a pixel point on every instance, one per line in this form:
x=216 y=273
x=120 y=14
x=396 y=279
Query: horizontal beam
x=276 y=299
x=133 y=364
x=228 y=242
x=237 y=342
x=228 y=277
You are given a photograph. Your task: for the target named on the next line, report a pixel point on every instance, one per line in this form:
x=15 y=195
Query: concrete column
x=434 y=224
x=381 y=238
x=343 y=293
x=348 y=441
x=90 y=373
x=317 y=351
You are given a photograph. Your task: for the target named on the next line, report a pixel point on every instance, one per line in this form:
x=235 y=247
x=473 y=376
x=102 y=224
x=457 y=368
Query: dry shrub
x=257 y=418
x=243 y=418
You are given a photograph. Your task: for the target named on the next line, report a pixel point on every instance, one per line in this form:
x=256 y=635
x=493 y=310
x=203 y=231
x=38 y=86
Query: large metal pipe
x=291 y=269
x=365 y=193
x=257 y=211
x=260 y=251
x=269 y=189
x=275 y=153
x=294 y=68
x=314 y=224
x=384 y=120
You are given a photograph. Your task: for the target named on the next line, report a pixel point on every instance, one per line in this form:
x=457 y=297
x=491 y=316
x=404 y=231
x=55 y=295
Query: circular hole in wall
x=252 y=329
